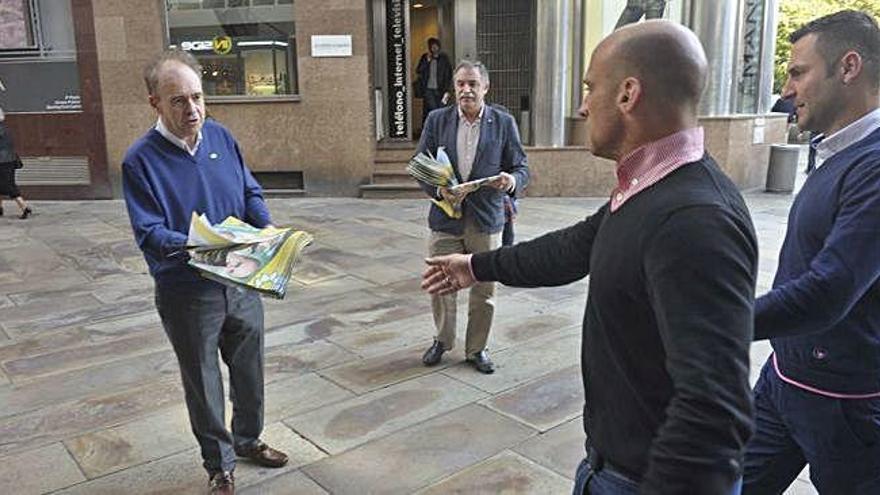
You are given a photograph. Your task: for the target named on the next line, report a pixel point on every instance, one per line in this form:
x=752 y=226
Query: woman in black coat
x=8 y=162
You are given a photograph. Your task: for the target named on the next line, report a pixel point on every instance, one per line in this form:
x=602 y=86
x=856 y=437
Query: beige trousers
x=481 y=301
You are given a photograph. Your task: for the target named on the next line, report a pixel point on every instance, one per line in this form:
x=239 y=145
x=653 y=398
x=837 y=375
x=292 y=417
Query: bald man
x=672 y=259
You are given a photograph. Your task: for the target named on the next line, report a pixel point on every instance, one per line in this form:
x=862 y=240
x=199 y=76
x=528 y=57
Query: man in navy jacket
x=818 y=396
x=481 y=141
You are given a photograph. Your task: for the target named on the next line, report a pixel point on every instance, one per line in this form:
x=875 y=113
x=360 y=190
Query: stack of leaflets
x=235 y=253
x=438 y=172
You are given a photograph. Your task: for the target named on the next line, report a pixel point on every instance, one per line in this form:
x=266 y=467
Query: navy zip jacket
x=823 y=313
x=164 y=185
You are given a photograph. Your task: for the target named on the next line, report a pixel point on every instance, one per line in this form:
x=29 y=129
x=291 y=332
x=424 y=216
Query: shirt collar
x=180 y=143
x=849 y=135
x=479 y=116
x=649 y=163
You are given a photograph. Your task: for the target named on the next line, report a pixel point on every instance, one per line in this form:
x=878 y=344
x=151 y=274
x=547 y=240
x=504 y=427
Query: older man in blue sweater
x=818 y=397
x=185 y=165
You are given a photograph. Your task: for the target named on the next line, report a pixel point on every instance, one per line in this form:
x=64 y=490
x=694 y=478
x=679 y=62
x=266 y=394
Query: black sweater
x=667 y=328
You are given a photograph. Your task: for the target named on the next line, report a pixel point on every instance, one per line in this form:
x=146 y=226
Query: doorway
x=425 y=24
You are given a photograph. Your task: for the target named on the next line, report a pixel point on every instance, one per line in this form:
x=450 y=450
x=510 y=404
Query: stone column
x=552 y=89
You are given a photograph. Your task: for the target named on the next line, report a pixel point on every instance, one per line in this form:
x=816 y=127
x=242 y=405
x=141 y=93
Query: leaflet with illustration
x=238 y=254
x=438 y=172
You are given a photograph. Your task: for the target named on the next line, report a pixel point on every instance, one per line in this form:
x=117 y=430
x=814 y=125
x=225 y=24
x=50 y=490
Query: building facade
x=319 y=92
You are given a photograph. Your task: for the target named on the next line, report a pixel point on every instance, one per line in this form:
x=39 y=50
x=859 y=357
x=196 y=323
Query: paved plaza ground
x=91 y=401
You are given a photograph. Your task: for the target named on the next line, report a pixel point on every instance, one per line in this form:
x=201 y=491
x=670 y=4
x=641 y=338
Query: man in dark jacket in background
x=434 y=77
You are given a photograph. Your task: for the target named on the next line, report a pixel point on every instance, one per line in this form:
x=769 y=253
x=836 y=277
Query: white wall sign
x=331 y=45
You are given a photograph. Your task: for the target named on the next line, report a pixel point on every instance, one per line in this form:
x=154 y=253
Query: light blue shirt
x=846 y=137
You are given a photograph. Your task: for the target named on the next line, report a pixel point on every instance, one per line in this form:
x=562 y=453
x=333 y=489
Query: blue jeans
x=608 y=481
x=201 y=319
x=602 y=482
x=839 y=438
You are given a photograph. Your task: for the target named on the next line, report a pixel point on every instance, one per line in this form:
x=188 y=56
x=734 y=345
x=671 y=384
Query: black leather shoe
x=26 y=212
x=434 y=353
x=480 y=361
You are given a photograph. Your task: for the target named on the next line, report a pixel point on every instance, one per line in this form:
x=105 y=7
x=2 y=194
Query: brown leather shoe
x=263 y=455
x=222 y=483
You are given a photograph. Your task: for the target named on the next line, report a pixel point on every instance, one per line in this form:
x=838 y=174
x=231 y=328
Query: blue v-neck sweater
x=823 y=313
x=164 y=185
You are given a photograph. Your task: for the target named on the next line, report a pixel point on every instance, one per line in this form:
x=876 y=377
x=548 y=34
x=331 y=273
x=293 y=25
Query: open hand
x=447 y=274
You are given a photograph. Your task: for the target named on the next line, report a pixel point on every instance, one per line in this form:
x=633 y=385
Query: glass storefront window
x=38 y=57
x=246 y=47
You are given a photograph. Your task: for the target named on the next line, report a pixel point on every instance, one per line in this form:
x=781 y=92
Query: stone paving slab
x=84 y=356
x=90 y=382
x=150 y=438
x=505 y=474
x=383 y=338
x=346 y=424
x=372 y=373
x=515 y=366
x=293 y=483
x=545 y=402
x=61 y=420
x=297 y=359
x=560 y=449
x=412 y=458
x=39 y=471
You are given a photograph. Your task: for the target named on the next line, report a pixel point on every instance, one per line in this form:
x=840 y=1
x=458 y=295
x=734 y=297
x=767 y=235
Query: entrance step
x=283 y=193
x=392 y=191
x=390 y=179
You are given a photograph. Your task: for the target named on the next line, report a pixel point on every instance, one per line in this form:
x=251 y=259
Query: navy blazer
x=499 y=150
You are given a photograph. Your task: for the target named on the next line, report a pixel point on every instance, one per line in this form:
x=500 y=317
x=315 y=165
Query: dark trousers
x=508 y=234
x=432 y=101
x=839 y=438
x=201 y=319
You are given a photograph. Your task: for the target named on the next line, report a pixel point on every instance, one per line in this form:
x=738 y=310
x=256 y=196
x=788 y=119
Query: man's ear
x=629 y=95
x=154 y=101
x=851 y=65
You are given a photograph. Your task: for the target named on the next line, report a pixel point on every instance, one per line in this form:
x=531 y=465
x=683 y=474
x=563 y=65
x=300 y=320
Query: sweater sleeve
x=700 y=271
x=256 y=211
x=839 y=275
x=556 y=258
x=147 y=218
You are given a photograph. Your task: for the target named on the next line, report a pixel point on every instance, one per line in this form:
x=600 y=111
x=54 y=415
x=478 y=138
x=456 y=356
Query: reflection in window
x=36 y=29
x=246 y=47
x=16 y=30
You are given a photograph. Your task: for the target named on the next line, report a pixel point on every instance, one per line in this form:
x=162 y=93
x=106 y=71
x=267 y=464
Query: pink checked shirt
x=648 y=164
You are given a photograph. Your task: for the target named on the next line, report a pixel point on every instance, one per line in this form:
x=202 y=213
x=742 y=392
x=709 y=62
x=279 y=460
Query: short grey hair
x=151 y=71
x=473 y=64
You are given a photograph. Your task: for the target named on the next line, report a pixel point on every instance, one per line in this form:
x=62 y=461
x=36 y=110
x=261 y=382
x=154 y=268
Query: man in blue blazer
x=481 y=141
